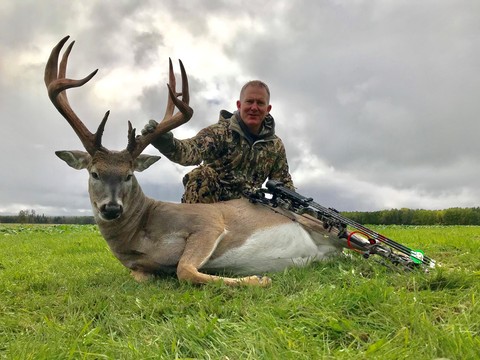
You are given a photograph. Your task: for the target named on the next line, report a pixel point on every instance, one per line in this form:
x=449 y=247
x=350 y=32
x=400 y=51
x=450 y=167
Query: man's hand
x=150 y=127
x=164 y=143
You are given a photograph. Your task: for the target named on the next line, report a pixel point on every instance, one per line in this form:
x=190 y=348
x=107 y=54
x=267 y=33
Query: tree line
x=31 y=217
x=452 y=216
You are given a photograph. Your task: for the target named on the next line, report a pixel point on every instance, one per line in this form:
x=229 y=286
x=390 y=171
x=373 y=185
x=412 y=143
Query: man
x=237 y=154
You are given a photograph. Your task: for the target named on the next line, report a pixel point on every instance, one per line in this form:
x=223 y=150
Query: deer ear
x=143 y=162
x=75 y=159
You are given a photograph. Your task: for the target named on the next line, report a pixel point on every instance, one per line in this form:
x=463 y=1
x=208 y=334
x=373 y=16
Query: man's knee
x=201 y=186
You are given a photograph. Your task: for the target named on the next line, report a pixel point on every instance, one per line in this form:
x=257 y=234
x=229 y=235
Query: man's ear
x=143 y=162
x=74 y=158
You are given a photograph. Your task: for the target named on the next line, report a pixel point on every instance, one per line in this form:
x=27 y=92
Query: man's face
x=253 y=107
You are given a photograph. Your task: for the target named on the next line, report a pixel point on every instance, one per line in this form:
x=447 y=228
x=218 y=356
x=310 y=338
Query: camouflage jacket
x=241 y=162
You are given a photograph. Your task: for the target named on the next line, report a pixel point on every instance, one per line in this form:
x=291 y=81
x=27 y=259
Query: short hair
x=258 y=83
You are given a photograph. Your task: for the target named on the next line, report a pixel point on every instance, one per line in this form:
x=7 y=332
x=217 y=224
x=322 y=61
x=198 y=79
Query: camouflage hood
x=235 y=123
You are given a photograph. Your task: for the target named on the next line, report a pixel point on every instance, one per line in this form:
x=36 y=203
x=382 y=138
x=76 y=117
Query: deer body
x=156 y=245
x=197 y=241
x=151 y=237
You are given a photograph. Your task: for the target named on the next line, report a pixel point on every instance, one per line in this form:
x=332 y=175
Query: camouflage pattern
x=231 y=161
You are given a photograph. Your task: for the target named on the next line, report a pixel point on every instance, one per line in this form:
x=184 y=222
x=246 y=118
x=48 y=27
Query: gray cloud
x=376 y=101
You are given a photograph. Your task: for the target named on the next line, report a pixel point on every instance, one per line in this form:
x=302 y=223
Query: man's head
x=254 y=104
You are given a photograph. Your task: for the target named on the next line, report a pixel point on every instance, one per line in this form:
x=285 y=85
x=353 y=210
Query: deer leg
x=190 y=273
x=197 y=252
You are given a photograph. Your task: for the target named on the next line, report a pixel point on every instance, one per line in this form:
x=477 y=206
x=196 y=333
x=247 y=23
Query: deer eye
x=94 y=175
x=128 y=177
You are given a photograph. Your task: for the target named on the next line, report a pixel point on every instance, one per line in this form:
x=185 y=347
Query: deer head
x=112 y=184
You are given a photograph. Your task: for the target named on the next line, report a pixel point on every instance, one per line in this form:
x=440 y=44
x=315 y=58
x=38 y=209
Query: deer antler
x=170 y=121
x=57 y=84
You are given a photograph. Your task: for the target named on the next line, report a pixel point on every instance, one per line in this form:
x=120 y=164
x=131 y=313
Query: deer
x=235 y=242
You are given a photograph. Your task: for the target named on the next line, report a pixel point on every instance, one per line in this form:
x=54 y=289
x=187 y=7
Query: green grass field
x=64 y=296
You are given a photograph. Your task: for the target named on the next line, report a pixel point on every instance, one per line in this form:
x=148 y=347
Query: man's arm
x=184 y=152
x=280 y=169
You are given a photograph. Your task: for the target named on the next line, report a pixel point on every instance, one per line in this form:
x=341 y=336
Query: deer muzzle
x=111 y=211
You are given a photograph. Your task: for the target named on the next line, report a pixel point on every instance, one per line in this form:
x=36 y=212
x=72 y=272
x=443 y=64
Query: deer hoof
x=257 y=280
x=141 y=276
x=264 y=281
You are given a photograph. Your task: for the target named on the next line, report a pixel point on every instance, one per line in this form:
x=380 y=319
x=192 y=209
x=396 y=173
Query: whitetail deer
x=198 y=241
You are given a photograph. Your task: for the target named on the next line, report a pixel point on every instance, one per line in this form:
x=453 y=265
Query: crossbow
x=361 y=239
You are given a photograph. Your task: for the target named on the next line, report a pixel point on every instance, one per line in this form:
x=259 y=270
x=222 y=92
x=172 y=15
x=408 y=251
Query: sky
x=376 y=101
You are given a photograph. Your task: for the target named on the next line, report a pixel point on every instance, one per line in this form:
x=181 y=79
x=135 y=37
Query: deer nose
x=111 y=210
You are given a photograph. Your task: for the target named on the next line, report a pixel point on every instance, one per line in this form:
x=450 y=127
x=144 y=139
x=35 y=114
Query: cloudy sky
x=377 y=101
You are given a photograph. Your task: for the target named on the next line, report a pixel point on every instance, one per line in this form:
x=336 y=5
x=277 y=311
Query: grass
x=64 y=296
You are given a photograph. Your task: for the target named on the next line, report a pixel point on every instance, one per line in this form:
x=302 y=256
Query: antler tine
x=185 y=91
x=170 y=120
x=57 y=84
x=172 y=83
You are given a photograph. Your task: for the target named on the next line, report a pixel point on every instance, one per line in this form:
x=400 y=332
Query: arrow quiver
x=360 y=239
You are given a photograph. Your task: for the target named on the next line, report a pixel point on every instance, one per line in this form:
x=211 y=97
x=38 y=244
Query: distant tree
x=22 y=217
x=31 y=215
